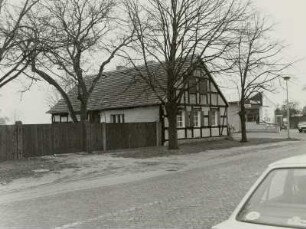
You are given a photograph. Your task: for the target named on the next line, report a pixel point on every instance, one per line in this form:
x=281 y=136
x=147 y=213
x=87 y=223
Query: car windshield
x=280 y=200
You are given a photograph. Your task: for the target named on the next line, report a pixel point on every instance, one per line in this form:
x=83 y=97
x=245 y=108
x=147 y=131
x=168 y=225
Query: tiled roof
x=122 y=89
x=117 y=89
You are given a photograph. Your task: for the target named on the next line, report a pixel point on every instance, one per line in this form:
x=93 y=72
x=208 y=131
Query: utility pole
x=287 y=78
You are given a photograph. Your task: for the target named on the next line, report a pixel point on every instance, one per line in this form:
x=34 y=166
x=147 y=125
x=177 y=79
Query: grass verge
x=194 y=147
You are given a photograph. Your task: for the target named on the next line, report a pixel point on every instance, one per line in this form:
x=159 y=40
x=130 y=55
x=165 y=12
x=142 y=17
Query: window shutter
x=202 y=118
x=210 y=117
x=187 y=118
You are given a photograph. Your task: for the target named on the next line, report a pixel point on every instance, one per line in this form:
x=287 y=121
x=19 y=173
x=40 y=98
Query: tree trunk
x=242 y=114
x=83 y=123
x=171 y=110
x=52 y=82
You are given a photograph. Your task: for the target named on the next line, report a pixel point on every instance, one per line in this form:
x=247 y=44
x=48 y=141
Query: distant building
x=259 y=109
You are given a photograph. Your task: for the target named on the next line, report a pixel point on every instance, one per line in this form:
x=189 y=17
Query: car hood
x=239 y=225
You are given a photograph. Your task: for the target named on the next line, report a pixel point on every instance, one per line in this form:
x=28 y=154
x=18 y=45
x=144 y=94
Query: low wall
x=262 y=127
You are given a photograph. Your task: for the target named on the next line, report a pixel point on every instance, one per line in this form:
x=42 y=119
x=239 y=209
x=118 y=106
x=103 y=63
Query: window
x=197 y=73
x=64 y=118
x=180 y=119
x=197 y=118
x=193 y=86
x=117 y=118
x=203 y=87
x=281 y=195
x=213 y=117
x=56 y=118
x=252 y=115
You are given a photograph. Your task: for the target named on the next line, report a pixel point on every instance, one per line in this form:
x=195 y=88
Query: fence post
x=158 y=133
x=88 y=127
x=19 y=140
x=104 y=136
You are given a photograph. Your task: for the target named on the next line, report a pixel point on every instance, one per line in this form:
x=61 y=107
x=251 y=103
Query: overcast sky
x=289 y=15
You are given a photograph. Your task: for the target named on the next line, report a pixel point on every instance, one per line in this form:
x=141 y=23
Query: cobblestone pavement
x=197 y=198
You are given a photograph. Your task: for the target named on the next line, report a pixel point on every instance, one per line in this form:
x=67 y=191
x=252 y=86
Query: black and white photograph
x=152 y=114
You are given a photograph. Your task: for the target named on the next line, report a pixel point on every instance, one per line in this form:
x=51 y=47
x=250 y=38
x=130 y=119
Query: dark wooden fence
x=18 y=141
x=131 y=135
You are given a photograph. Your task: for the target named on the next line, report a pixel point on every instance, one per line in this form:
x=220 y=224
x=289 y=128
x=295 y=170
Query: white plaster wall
x=142 y=114
x=180 y=134
x=225 y=131
x=215 y=132
x=197 y=133
x=233 y=116
x=267 y=114
x=267 y=110
x=214 y=99
x=189 y=133
x=222 y=111
x=220 y=100
x=206 y=132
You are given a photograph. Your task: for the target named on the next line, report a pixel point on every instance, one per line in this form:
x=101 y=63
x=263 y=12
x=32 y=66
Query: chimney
x=151 y=62
x=120 y=67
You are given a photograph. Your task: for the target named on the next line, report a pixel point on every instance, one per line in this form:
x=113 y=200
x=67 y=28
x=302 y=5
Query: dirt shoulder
x=33 y=172
x=194 y=147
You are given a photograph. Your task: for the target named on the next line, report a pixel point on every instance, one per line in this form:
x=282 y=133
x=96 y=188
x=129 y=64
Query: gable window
x=117 y=118
x=197 y=73
x=203 y=87
x=180 y=120
x=192 y=86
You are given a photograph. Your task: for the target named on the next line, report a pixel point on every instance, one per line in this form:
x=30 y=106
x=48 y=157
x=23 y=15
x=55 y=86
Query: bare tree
x=3 y=120
x=12 y=59
x=72 y=43
x=1 y=4
x=256 y=62
x=179 y=35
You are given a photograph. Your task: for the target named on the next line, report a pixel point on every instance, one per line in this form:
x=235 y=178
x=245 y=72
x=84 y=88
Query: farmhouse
x=123 y=97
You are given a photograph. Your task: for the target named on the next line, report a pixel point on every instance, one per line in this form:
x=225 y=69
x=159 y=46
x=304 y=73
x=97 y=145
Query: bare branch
x=67 y=38
x=255 y=62
x=179 y=36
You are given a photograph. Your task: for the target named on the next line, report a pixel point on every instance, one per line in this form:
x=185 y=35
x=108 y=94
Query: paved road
x=197 y=198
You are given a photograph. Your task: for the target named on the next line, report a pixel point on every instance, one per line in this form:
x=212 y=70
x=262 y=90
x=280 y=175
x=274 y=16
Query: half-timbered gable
x=202 y=109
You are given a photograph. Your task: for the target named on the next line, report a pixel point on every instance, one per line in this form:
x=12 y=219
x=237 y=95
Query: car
x=301 y=127
x=276 y=200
